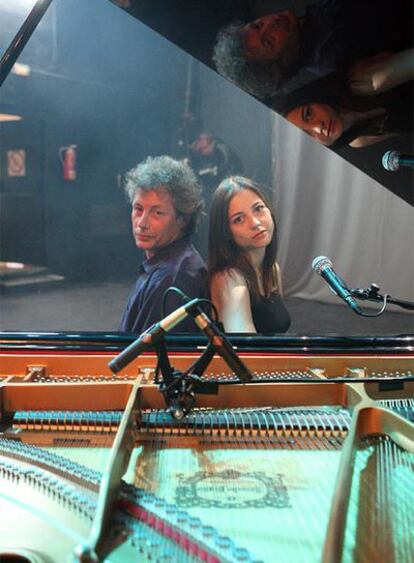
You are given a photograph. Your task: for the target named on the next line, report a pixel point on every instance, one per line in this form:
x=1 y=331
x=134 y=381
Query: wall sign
x=16 y=163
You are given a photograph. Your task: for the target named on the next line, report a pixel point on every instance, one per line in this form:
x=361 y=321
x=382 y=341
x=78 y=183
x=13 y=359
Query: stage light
x=20 y=69
x=9 y=117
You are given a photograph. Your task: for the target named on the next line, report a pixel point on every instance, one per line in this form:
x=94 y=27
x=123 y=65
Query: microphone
x=221 y=344
x=392 y=160
x=150 y=337
x=323 y=266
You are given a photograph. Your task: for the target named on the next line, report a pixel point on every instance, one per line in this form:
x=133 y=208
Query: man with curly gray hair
x=166 y=203
x=260 y=77
x=260 y=56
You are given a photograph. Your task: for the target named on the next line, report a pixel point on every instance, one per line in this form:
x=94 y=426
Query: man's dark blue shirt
x=178 y=264
x=337 y=33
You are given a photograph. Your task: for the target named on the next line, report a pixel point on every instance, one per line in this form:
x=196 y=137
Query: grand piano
x=306 y=454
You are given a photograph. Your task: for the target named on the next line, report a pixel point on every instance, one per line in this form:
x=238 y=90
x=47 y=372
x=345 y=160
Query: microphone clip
x=180 y=393
x=371 y=292
x=179 y=389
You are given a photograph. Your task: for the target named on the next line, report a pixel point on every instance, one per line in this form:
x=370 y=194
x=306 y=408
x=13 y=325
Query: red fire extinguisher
x=67 y=156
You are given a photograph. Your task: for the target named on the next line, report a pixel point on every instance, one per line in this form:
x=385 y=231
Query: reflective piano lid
x=194 y=26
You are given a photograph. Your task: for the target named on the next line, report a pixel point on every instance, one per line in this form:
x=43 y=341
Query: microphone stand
x=179 y=388
x=372 y=294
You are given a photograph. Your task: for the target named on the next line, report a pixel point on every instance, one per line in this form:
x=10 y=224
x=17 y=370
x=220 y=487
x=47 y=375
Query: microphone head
x=390 y=161
x=321 y=262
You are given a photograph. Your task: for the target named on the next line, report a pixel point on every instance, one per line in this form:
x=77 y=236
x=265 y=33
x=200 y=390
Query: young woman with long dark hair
x=334 y=115
x=244 y=277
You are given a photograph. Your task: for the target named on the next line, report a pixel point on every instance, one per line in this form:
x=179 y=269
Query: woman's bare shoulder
x=229 y=278
x=367 y=140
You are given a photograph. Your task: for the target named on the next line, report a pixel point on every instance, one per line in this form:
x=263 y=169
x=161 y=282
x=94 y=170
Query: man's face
x=204 y=144
x=273 y=37
x=154 y=220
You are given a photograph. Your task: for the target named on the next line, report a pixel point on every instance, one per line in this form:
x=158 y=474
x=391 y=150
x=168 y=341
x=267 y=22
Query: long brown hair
x=223 y=253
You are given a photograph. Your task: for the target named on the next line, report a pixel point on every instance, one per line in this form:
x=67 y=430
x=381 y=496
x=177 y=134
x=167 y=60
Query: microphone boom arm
x=372 y=294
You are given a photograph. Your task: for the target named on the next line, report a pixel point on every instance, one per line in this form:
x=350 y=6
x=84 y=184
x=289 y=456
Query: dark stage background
x=103 y=81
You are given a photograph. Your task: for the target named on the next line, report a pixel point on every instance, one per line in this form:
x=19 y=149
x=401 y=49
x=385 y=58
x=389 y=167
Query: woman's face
x=320 y=121
x=250 y=221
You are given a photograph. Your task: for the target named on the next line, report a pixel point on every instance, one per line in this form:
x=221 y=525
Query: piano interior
x=312 y=459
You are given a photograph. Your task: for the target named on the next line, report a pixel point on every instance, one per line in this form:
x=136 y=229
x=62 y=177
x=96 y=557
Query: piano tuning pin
x=208 y=531
x=160 y=503
x=153 y=549
x=194 y=523
x=171 y=510
x=165 y=557
x=182 y=517
x=147 y=498
x=224 y=542
x=241 y=554
x=141 y=542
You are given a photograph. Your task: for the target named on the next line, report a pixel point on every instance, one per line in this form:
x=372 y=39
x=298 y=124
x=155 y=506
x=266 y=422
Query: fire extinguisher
x=67 y=156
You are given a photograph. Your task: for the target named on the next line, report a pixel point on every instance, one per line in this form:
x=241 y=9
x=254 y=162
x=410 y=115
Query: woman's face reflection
x=321 y=121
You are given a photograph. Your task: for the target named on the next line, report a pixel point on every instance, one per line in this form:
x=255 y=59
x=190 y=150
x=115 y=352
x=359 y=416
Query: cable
x=378 y=313
x=186 y=299
x=165 y=294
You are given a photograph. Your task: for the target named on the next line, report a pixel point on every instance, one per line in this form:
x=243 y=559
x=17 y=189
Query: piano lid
x=331 y=37
x=78 y=228
x=113 y=97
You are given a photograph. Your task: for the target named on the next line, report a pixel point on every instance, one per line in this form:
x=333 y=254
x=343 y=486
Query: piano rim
x=304 y=345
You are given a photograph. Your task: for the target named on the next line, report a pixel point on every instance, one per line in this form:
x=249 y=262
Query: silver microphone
x=151 y=336
x=393 y=160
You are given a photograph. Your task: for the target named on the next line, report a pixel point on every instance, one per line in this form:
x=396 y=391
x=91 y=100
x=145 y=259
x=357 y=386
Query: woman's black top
x=269 y=313
x=398 y=118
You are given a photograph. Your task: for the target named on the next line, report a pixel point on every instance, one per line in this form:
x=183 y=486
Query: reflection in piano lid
x=181 y=23
x=314 y=457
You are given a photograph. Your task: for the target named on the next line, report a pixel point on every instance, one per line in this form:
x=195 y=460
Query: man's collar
x=164 y=253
